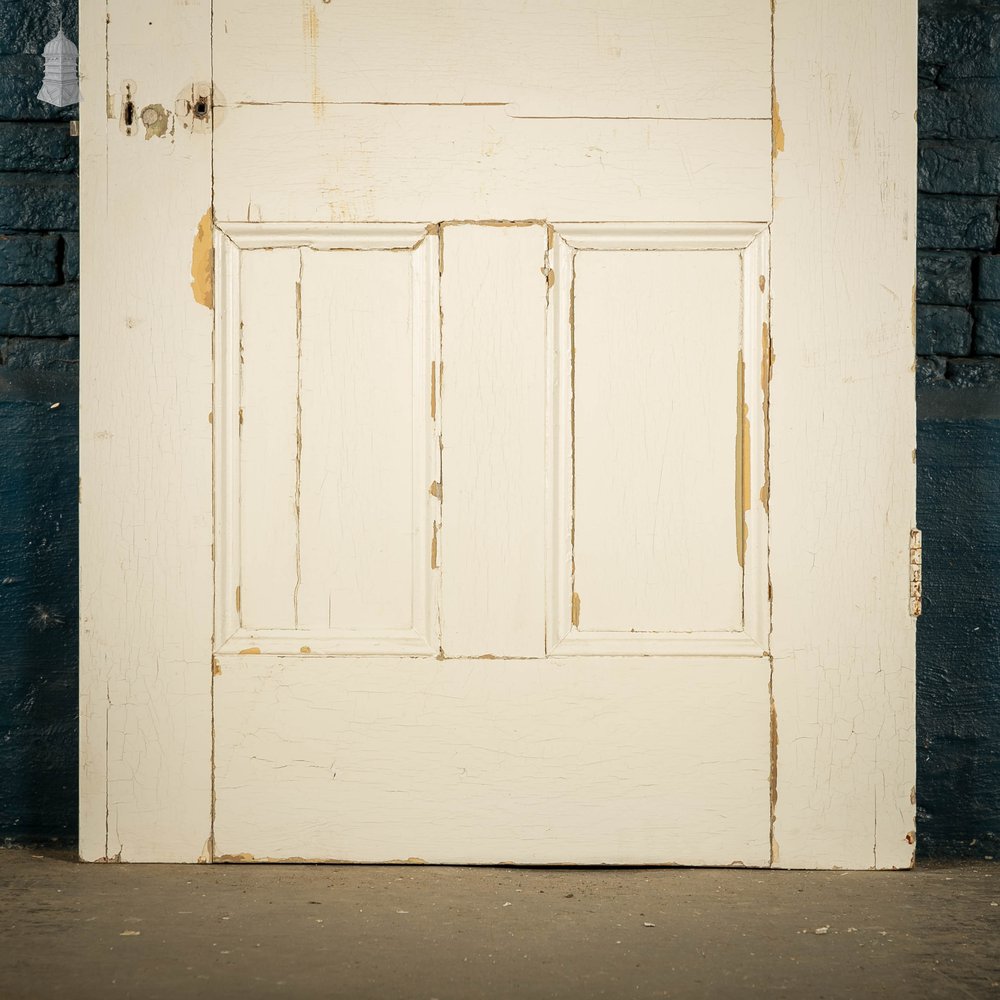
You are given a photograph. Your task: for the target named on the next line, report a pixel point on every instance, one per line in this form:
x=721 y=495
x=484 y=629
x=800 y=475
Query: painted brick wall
x=958 y=263
x=39 y=271
x=39 y=214
x=958 y=404
x=958 y=292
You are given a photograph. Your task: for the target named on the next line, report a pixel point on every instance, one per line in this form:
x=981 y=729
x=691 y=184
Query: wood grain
x=269 y=418
x=493 y=418
x=586 y=761
x=357 y=493
x=407 y=164
x=843 y=433
x=656 y=341
x=145 y=441
x=684 y=59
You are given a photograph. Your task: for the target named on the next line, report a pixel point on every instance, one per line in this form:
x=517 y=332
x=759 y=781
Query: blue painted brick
x=29 y=260
x=26 y=25
x=40 y=353
x=945 y=330
x=988 y=278
x=968 y=110
x=961 y=44
x=973 y=373
x=39 y=202
x=986 y=339
x=944 y=278
x=946 y=223
x=71 y=256
x=20 y=79
x=38 y=603
x=958 y=636
x=45 y=146
x=40 y=312
x=959 y=166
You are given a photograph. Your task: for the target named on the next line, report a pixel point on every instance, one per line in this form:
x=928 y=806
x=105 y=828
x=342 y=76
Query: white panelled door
x=516 y=468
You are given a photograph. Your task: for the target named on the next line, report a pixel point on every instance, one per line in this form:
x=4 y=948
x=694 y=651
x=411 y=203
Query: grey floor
x=73 y=930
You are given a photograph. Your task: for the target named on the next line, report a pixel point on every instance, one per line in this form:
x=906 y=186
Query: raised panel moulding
x=563 y=634
x=283 y=635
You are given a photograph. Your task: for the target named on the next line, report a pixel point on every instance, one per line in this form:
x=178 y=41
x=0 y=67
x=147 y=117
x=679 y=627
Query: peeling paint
x=246 y=858
x=433 y=391
x=298 y=441
x=742 y=460
x=203 y=263
x=434 y=548
x=496 y=223
x=310 y=31
x=310 y=24
x=156 y=119
x=773 y=774
x=435 y=490
x=777 y=129
x=766 y=364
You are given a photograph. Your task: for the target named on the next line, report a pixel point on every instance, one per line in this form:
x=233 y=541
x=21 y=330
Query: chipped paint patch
x=305 y=649
x=250 y=651
x=435 y=490
x=742 y=461
x=777 y=129
x=216 y=667
x=245 y=858
x=575 y=610
x=774 y=758
x=310 y=24
x=434 y=548
x=156 y=120
x=203 y=263
x=766 y=364
x=310 y=32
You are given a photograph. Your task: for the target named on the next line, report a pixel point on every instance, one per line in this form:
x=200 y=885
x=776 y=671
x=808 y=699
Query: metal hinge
x=916 y=572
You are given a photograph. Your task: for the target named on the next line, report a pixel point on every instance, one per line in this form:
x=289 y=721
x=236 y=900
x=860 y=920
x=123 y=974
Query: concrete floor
x=145 y=931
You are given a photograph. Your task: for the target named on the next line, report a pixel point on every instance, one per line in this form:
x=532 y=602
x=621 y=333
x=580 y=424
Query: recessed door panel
x=328 y=447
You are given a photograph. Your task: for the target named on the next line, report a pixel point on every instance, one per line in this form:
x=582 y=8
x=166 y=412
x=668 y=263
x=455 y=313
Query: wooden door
x=498 y=435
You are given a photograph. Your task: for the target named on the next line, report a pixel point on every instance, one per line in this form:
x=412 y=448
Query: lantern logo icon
x=61 y=85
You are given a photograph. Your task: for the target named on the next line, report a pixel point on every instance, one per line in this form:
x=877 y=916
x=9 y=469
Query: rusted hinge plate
x=916 y=572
